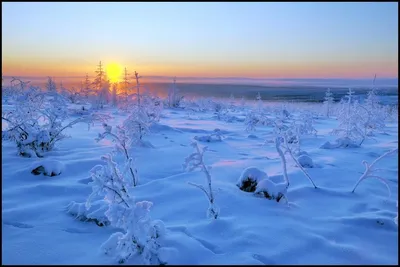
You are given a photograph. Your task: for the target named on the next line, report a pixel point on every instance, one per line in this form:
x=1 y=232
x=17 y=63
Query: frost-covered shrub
x=38 y=122
x=350 y=121
x=195 y=161
x=255 y=118
x=271 y=190
x=124 y=140
x=249 y=179
x=370 y=172
x=328 y=102
x=174 y=98
x=141 y=237
x=47 y=167
x=281 y=142
x=304 y=125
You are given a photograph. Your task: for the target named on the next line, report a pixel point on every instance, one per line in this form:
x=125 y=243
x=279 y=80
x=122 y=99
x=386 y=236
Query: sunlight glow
x=114 y=72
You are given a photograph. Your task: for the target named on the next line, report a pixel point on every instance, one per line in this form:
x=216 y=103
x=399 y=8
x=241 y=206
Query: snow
x=327 y=225
x=305 y=161
x=274 y=190
x=250 y=175
x=50 y=167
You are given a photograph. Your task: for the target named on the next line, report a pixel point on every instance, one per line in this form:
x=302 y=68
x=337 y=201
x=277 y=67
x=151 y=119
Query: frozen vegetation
x=95 y=176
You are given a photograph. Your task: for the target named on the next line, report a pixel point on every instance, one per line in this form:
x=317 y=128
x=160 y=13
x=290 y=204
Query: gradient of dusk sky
x=200 y=39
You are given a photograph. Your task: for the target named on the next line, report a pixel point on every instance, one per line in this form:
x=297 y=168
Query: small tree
x=51 y=85
x=174 y=99
x=194 y=161
x=137 y=77
x=328 y=101
x=259 y=102
x=123 y=143
x=114 y=95
x=140 y=235
x=101 y=86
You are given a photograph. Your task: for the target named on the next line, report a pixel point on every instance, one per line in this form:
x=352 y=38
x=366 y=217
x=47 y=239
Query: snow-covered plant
x=370 y=171
x=72 y=94
x=141 y=237
x=114 y=99
x=51 y=85
x=304 y=125
x=101 y=86
x=328 y=102
x=255 y=118
x=37 y=123
x=281 y=142
x=350 y=128
x=123 y=142
x=258 y=102
x=153 y=107
x=86 y=91
x=194 y=161
x=249 y=178
x=174 y=99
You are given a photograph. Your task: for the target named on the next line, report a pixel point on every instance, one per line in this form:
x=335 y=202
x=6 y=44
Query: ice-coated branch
x=195 y=160
x=296 y=161
x=283 y=159
x=369 y=170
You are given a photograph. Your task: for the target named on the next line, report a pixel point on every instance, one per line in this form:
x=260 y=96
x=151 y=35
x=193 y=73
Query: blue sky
x=277 y=40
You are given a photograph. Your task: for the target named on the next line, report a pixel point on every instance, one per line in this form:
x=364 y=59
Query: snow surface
x=328 y=225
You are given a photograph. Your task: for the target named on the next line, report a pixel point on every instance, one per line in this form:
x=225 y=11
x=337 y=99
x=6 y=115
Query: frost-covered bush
x=249 y=179
x=47 y=167
x=304 y=125
x=283 y=146
x=174 y=98
x=195 y=161
x=370 y=172
x=255 y=118
x=141 y=237
x=38 y=122
x=124 y=140
x=328 y=102
x=271 y=190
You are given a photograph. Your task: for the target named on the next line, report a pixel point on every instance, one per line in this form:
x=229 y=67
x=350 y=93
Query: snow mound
x=305 y=161
x=343 y=142
x=96 y=212
x=252 y=136
x=249 y=179
x=47 y=167
x=271 y=190
x=216 y=136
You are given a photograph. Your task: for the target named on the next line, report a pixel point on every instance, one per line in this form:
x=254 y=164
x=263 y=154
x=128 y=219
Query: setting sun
x=114 y=72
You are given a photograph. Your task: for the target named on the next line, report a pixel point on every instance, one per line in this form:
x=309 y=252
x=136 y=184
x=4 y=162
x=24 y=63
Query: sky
x=200 y=39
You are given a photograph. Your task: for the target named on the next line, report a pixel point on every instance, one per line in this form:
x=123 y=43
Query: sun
x=114 y=72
